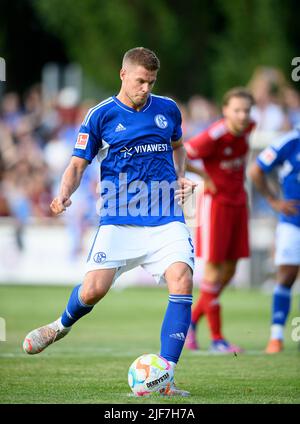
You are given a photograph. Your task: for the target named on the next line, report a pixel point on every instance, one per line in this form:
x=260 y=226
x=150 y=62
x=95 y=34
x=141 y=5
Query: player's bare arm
x=69 y=183
x=186 y=186
x=287 y=207
x=179 y=157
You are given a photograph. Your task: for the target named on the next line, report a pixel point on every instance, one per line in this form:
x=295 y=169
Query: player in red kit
x=222 y=235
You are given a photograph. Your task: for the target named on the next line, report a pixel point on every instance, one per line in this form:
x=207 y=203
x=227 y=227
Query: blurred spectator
x=4 y=207
x=10 y=110
x=33 y=105
x=57 y=155
x=15 y=187
x=201 y=113
x=59 y=148
x=266 y=86
x=8 y=153
x=38 y=135
x=291 y=98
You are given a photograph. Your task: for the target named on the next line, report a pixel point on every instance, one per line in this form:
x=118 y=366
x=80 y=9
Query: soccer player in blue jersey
x=137 y=138
x=283 y=155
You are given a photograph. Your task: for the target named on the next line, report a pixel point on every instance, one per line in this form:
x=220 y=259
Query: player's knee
x=91 y=293
x=213 y=273
x=288 y=279
x=226 y=272
x=89 y=296
x=96 y=284
x=287 y=275
x=186 y=283
x=227 y=276
x=181 y=280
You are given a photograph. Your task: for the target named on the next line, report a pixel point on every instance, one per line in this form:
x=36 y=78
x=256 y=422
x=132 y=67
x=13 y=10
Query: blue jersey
x=284 y=154
x=137 y=174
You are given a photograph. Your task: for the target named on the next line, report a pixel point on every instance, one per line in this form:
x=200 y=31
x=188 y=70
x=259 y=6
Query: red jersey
x=224 y=158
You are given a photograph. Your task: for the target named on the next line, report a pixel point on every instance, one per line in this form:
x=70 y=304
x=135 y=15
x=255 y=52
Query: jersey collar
x=131 y=109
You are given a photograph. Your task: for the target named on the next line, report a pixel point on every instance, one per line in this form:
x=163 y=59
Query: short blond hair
x=143 y=57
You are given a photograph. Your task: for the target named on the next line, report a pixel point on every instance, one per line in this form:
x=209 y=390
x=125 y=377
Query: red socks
x=208 y=304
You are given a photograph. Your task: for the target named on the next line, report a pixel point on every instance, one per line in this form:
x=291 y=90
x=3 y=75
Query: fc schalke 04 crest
x=161 y=121
x=99 y=257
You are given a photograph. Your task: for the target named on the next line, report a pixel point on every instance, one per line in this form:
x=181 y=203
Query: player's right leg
x=207 y=304
x=286 y=277
x=220 y=345
x=82 y=300
x=216 y=277
x=288 y=260
x=177 y=318
x=230 y=225
x=205 y=215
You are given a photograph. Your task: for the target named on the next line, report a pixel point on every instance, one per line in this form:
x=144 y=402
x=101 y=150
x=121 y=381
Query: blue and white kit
x=140 y=221
x=136 y=160
x=284 y=156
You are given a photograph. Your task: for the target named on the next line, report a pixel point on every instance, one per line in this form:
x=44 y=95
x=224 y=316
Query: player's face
x=237 y=114
x=137 y=83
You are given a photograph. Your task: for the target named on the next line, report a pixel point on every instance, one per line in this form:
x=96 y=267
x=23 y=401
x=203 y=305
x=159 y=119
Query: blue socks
x=175 y=326
x=75 y=309
x=281 y=304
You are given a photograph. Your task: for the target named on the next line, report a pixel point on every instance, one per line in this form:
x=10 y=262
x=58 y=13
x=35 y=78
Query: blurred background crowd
x=56 y=72
x=38 y=131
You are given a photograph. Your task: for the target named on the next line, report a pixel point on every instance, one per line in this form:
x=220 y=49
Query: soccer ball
x=149 y=373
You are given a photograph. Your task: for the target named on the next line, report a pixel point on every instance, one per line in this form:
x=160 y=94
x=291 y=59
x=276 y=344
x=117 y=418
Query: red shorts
x=223 y=235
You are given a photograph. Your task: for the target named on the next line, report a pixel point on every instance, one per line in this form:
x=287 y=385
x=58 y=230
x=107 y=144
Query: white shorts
x=287 y=244
x=154 y=248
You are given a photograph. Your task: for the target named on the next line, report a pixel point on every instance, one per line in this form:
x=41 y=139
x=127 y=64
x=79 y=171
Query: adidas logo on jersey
x=178 y=336
x=119 y=128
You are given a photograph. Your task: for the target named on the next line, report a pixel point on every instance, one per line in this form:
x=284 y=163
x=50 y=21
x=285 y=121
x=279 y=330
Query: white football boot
x=37 y=340
x=172 y=390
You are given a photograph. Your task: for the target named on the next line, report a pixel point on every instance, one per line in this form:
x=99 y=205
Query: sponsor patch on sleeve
x=217 y=131
x=82 y=140
x=267 y=156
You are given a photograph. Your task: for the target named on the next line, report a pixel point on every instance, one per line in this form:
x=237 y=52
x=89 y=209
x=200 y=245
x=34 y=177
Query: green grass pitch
x=90 y=365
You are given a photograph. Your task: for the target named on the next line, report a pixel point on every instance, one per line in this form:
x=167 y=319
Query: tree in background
x=205 y=46
x=25 y=44
x=255 y=34
x=98 y=32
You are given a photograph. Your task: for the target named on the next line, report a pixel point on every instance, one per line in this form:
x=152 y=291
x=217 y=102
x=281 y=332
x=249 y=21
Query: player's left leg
x=286 y=276
x=209 y=297
x=81 y=302
x=222 y=240
x=236 y=246
x=177 y=317
x=170 y=259
x=216 y=277
x=287 y=258
x=214 y=312
x=228 y=269
x=209 y=292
